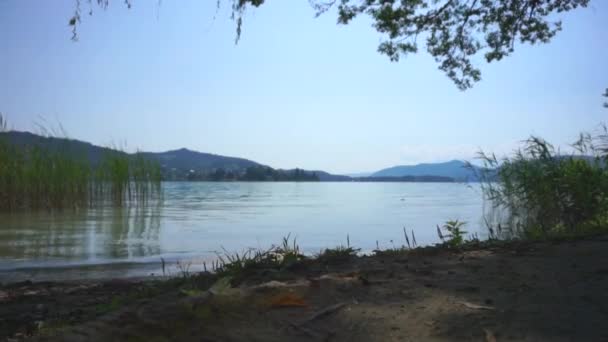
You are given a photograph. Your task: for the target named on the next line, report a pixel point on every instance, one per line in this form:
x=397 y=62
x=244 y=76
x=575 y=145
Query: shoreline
x=547 y=290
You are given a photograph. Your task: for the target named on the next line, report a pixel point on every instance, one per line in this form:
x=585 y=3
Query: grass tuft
x=277 y=258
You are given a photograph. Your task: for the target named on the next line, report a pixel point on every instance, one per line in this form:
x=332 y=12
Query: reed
x=544 y=193
x=38 y=177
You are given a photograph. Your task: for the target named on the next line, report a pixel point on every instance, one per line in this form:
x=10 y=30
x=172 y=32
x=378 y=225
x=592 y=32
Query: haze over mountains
x=185 y=164
x=455 y=169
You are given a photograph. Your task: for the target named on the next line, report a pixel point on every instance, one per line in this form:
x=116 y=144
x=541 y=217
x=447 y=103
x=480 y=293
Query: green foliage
x=455 y=233
x=338 y=254
x=257 y=173
x=289 y=252
x=265 y=173
x=545 y=193
x=392 y=252
x=454 y=30
x=278 y=258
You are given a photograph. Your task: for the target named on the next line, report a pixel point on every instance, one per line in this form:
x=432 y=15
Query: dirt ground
x=543 y=291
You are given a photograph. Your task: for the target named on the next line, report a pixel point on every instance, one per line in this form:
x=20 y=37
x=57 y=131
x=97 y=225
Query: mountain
x=416 y=179
x=184 y=159
x=454 y=169
x=185 y=164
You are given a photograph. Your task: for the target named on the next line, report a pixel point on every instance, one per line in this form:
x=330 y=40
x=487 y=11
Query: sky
x=296 y=91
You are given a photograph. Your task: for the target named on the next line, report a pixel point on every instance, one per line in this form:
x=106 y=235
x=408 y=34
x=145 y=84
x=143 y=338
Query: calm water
x=195 y=220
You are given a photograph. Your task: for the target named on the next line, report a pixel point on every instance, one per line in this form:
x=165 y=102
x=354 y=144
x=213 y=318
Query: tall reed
x=35 y=177
x=545 y=193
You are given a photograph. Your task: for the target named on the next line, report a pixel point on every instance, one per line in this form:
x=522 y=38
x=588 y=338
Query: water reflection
x=197 y=219
x=90 y=235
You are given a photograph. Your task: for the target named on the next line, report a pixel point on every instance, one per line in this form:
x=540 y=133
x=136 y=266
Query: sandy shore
x=542 y=291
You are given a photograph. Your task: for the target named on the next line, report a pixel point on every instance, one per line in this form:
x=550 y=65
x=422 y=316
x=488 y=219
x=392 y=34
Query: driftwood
x=324 y=312
x=321 y=313
x=305 y=330
x=476 y=306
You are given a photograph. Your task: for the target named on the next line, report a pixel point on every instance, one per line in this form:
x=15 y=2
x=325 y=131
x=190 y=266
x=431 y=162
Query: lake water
x=195 y=220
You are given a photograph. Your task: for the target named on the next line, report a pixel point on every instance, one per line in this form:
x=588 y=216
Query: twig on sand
x=476 y=306
x=328 y=310
x=321 y=313
x=305 y=330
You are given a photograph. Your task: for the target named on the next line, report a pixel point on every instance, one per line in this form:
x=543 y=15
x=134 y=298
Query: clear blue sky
x=296 y=91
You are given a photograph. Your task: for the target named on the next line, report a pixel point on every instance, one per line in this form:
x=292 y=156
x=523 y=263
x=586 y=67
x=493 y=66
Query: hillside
x=454 y=169
x=187 y=164
x=184 y=159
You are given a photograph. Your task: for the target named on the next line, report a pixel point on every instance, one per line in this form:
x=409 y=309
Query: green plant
x=411 y=245
x=289 y=252
x=392 y=252
x=545 y=193
x=277 y=258
x=56 y=176
x=455 y=233
x=338 y=254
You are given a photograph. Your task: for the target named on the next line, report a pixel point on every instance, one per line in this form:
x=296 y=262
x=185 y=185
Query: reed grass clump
x=278 y=258
x=338 y=254
x=545 y=193
x=40 y=177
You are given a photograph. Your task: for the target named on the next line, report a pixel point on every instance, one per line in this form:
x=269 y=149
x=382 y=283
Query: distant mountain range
x=181 y=164
x=454 y=169
x=185 y=164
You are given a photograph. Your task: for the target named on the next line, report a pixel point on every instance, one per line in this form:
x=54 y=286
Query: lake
x=197 y=219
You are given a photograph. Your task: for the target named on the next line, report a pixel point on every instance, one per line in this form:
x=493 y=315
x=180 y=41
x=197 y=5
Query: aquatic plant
x=543 y=192
x=57 y=177
x=411 y=245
